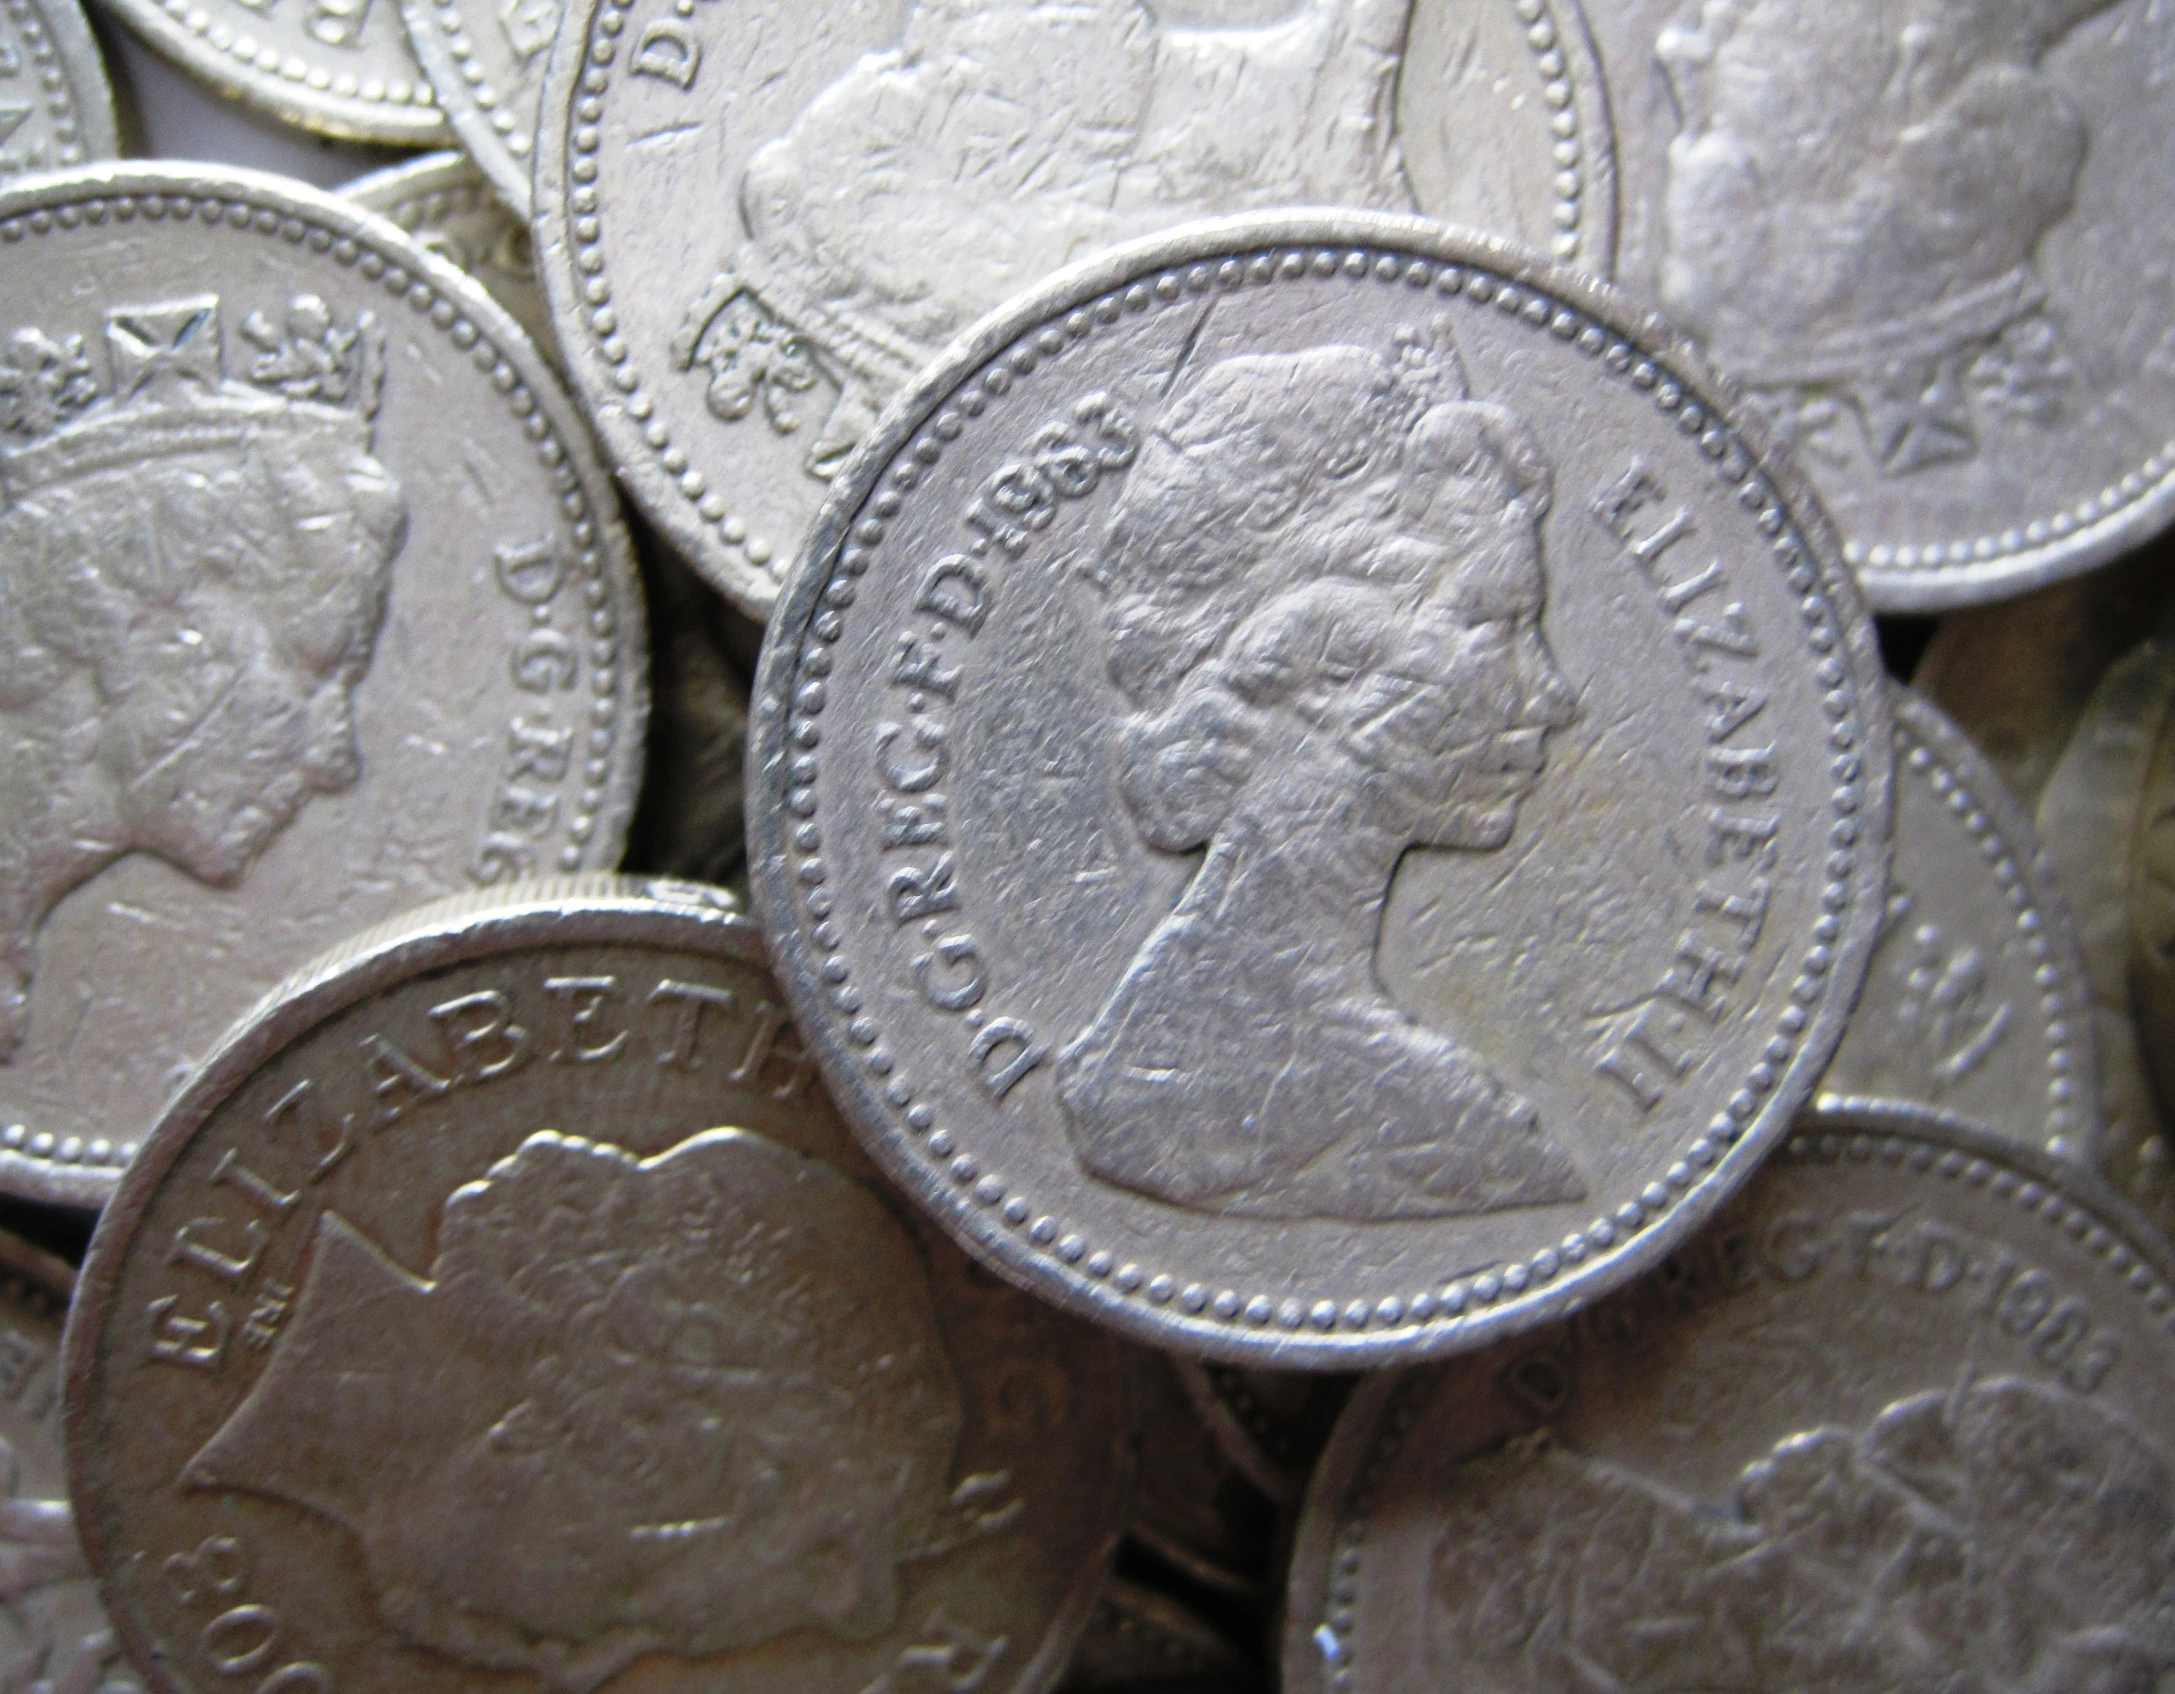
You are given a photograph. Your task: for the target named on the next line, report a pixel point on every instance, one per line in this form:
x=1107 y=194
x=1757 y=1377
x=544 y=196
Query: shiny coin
x=447 y=204
x=505 y=1302
x=1911 y=231
x=1898 y=1420
x=878 y=176
x=486 y=63
x=1319 y=798
x=314 y=607
x=56 y=108
x=1976 y=1004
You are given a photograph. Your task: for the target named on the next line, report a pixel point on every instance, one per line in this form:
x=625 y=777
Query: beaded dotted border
x=1805 y=1146
x=61 y=104
x=477 y=100
x=423 y=298
x=1064 y=1250
x=594 y=285
x=268 y=61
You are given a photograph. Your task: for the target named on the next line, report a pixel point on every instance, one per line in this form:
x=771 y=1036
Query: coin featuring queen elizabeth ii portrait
x=1319 y=795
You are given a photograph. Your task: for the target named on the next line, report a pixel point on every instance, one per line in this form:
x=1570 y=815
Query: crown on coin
x=166 y=390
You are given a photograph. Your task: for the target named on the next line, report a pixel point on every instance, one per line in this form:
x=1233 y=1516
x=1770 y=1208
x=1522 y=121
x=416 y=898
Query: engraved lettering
x=189 y=1249
x=1866 y=1233
x=911 y=779
x=396 y=1078
x=1639 y=1055
x=1012 y=1045
x=337 y=23
x=239 y=1640
x=1747 y=910
x=1744 y=839
x=544 y=661
x=481 y=1036
x=1698 y=977
x=957 y=591
x=1674 y=599
x=1730 y=705
x=217 y=1567
x=668 y=52
x=916 y=667
x=949 y=1658
x=538 y=750
x=529 y=572
x=1793 y=1250
x=764 y=1045
x=287 y=1111
x=917 y=894
x=910 y=823
x=1631 y=493
x=179 y=1339
x=230 y=1172
x=268 y=1311
x=1742 y=773
x=691 y=999
x=1729 y=635
x=587 y=998
x=966 y=976
x=522 y=811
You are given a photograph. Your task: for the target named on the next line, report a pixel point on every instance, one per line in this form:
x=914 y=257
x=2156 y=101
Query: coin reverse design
x=1316 y=795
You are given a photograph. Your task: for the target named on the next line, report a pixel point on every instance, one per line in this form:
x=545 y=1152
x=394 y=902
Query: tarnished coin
x=883 y=174
x=505 y=1302
x=56 y=108
x=1976 y=1005
x=486 y=64
x=1318 y=796
x=1911 y=230
x=340 y=67
x=1899 y=1420
x=54 y=1638
x=446 y=203
x=1194 y=1508
x=314 y=606
x=1143 y=1642
x=1271 y=1424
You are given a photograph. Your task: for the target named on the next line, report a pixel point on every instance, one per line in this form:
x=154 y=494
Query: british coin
x=1899 y=1420
x=486 y=65
x=56 y=108
x=887 y=174
x=705 y=1407
x=1271 y=1424
x=330 y=66
x=54 y=1638
x=315 y=606
x=446 y=203
x=1976 y=1004
x=1533 y=732
x=1910 y=231
x=1141 y=1641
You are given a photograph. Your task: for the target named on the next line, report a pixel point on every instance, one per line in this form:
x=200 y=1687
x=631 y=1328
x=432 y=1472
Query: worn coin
x=1914 y=232
x=54 y=1638
x=702 y=1405
x=486 y=65
x=1271 y=1424
x=446 y=203
x=1976 y=1004
x=56 y=108
x=885 y=174
x=1897 y=1421
x=340 y=67
x=314 y=606
x=1194 y=1508
x=1534 y=735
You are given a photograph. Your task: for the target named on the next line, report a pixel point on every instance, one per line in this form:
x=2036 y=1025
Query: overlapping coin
x=448 y=205
x=486 y=64
x=316 y=606
x=505 y=1303
x=1319 y=796
x=56 y=108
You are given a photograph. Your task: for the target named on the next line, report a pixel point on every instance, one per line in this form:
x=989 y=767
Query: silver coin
x=1913 y=233
x=54 y=1638
x=1533 y=733
x=56 y=108
x=486 y=64
x=1194 y=1508
x=1898 y=1421
x=887 y=173
x=446 y=203
x=315 y=606
x=1977 y=1004
x=341 y=68
x=1271 y=1424
x=506 y=1300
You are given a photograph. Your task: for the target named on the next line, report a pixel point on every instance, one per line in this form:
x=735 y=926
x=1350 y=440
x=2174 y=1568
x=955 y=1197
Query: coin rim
x=1653 y=343
x=437 y=35
x=83 y=68
x=1861 y=1130
x=57 y=194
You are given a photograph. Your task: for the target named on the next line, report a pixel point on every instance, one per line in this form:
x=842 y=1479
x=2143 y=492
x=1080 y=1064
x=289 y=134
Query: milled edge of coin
x=186 y=35
x=1931 y=749
x=86 y=91
x=2059 y=1193
x=1629 y=344
x=597 y=907
x=471 y=104
x=75 y=1173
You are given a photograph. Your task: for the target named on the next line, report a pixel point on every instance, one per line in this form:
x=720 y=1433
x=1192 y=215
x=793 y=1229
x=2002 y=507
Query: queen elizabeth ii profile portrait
x=193 y=570
x=1321 y=594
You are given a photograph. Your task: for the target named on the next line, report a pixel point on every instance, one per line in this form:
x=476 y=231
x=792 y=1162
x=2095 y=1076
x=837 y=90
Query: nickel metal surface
x=879 y=175
x=317 y=607
x=1917 y=236
x=448 y=205
x=486 y=64
x=504 y=1303
x=1318 y=794
x=56 y=107
x=1898 y=1419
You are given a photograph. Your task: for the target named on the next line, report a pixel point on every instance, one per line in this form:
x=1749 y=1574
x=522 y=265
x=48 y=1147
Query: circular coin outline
x=1332 y=1329
x=84 y=96
x=473 y=105
x=2056 y=1192
x=72 y=1171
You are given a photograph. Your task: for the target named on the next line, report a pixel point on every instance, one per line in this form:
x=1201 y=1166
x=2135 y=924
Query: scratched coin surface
x=56 y=108
x=486 y=63
x=1319 y=796
x=505 y=1306
x=756 y=222
x=314 y=605
x=448 y=205
x=1976 y=1004
x=1909 y=229
x=1897 y=1421
x=54 y=1638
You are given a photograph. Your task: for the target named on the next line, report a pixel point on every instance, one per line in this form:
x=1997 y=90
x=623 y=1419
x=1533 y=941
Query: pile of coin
x=977 y=846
